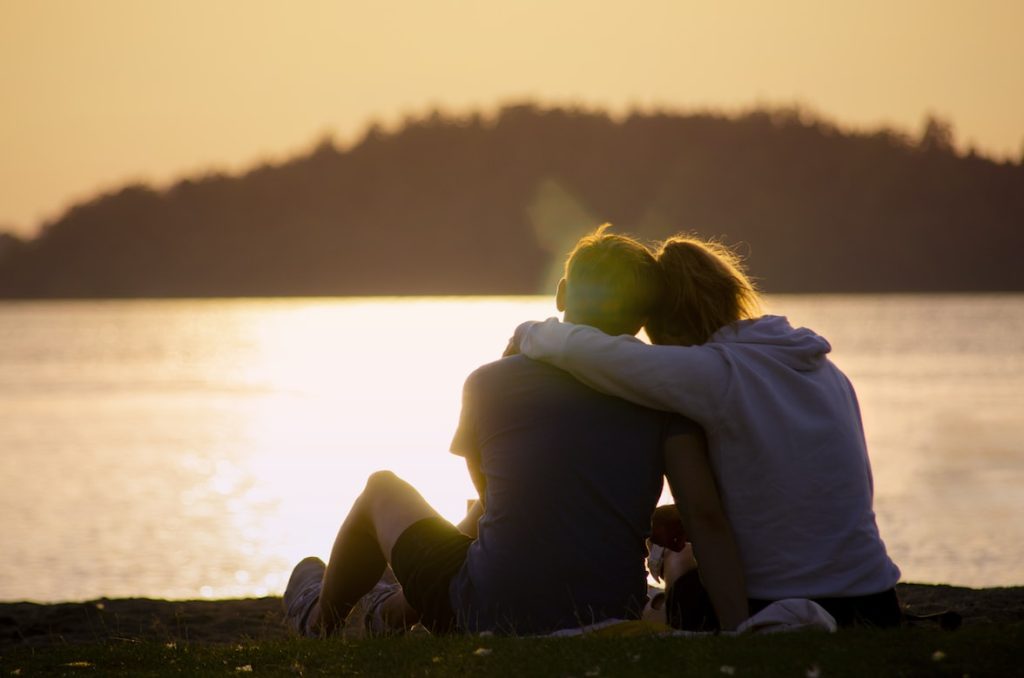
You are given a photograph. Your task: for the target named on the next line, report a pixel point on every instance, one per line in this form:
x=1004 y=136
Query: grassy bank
x=978 y=651
x=140 y=637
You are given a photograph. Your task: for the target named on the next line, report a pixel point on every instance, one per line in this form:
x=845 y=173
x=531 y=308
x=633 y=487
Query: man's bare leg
x=395 y=612
x=387 y=507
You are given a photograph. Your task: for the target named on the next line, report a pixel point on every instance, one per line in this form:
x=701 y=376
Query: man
x=568 y=479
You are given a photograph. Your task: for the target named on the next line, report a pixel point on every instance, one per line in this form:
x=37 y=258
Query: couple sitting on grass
x=568 y=439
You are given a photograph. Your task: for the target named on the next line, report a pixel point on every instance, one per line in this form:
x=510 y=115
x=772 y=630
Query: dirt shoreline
x=257 y=619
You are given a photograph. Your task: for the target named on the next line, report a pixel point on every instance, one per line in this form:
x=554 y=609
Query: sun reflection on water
x=338 y=391
x=201 y=448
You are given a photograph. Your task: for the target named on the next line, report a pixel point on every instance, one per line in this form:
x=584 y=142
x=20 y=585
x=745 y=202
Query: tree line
x=476 y=204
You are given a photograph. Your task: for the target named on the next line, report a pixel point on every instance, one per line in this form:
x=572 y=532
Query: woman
x=784 y=431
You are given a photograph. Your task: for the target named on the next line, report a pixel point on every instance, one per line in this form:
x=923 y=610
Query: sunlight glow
x=339 y=390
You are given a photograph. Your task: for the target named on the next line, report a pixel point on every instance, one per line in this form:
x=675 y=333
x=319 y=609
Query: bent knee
x=384 y=488
x=382 y=481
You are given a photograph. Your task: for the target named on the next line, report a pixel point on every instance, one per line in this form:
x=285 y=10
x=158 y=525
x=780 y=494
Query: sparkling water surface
x=199 y=448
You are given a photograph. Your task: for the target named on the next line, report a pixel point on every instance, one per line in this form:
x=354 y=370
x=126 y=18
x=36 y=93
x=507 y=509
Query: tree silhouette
x=937 y=136
x=488 y=204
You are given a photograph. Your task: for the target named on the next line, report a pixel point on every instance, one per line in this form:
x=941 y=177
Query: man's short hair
x=613 y=282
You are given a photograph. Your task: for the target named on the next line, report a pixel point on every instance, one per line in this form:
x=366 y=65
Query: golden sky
x=96 y=93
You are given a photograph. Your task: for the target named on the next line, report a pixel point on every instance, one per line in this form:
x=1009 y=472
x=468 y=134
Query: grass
x=988 y=650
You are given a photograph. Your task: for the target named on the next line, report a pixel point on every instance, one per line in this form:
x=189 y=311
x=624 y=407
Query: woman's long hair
x=706 y=289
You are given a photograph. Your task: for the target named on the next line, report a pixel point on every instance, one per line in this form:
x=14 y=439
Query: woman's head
x=705 y=290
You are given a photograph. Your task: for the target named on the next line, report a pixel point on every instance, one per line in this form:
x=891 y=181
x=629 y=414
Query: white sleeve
x=690 y=380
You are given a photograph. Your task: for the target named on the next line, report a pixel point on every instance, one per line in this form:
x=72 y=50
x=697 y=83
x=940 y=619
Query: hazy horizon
x=114 y=91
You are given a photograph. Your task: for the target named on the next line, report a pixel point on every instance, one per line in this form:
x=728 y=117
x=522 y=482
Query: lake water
x=191 y=449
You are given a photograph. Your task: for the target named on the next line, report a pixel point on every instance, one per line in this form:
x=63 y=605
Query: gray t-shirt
x=572 y=479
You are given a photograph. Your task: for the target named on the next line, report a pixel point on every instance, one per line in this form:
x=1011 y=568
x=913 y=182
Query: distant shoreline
x=259 y=619
x=448 y=203
x=485 y=295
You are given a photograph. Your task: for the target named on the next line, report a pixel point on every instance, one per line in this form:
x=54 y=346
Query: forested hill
x=490 y=205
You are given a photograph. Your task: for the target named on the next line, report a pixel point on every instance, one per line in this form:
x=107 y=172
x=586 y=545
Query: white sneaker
x=302 y=594
x=366 y=617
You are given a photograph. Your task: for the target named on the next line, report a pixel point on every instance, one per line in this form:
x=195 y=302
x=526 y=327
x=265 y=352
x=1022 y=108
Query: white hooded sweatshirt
x=785 y=441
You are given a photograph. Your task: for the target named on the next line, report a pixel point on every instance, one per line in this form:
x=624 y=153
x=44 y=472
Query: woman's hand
x=517 y=338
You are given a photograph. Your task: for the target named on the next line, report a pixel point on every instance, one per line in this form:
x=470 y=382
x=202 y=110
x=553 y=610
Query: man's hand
x=667 y=528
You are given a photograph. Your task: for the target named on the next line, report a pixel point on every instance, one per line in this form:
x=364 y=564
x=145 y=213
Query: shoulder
x=514 y=368
x=498 y=368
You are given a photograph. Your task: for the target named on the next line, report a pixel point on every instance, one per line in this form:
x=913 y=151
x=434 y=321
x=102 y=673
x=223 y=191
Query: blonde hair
x=612 y=282
x=706 y=289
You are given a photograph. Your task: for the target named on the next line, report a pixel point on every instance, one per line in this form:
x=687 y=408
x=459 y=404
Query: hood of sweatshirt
x=797 y=348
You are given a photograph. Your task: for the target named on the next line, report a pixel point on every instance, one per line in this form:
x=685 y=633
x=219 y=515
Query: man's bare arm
x=468 y=525
x=696 y=496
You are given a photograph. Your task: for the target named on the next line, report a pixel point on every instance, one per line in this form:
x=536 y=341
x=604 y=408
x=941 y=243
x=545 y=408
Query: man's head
x=612 y=282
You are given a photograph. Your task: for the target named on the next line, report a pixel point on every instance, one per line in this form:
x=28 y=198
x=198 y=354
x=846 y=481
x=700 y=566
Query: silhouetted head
x=705 y=290
x=612 y=282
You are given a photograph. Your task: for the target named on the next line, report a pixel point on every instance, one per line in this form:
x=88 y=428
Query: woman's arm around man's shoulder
x=690 y=380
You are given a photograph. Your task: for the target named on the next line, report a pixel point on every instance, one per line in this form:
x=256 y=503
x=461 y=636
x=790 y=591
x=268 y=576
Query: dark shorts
x=689 y=607
x=424 y=559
